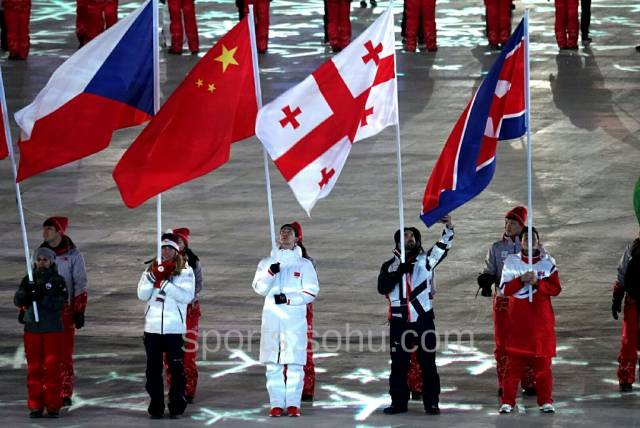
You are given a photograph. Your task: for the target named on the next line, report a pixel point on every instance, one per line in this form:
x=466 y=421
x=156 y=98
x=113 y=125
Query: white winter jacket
x=284 y=327
x=167 y=315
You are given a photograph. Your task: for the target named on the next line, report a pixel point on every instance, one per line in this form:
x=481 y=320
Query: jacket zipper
x=162 y=319
x=180 y=312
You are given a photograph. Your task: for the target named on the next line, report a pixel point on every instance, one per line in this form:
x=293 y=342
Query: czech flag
x=105 y=86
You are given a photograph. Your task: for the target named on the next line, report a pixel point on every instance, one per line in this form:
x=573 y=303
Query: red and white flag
x=308 y=130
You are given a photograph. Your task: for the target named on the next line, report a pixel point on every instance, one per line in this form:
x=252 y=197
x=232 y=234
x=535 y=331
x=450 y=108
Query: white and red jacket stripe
x=532 y=324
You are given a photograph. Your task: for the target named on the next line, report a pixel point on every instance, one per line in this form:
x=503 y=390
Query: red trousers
x=420 y=13
x=16 y=15
x=338 y=23
x=628 y=356
x=261 y=16
x=500 y=333
x=567 y=25
x=180 y=10
x=190 y=351
x=82 y=21
x=543 y=376
x=66 y=353
x=498 y=20
x=414 y=378
x=43 y=370
x=309 y=367
x=101 y=14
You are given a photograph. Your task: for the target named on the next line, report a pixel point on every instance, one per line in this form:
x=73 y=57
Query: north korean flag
x=496 y=112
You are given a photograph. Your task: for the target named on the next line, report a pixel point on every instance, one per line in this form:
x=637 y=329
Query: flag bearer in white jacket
x=167 y=288
x=288 y=283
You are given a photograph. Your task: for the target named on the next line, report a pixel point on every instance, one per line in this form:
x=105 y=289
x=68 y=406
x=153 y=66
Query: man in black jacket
x=409 y=287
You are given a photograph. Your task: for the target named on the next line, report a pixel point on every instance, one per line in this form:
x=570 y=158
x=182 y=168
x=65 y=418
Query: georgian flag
x=308 y=130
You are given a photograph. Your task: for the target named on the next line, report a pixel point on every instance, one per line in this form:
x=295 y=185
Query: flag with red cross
x=308 y=130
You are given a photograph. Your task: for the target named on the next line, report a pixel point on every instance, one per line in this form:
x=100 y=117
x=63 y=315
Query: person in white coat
x=167 y=288
x=288 y=283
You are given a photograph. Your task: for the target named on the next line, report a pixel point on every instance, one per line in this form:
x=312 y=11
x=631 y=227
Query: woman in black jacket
x=41 y=302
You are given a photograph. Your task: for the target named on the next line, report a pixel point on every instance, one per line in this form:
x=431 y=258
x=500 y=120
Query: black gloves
x=78 y=319
x=405 y=267
x=616 y=306
x=21 y=316
x=275 y=268
x=485 y=282
x=280 y=298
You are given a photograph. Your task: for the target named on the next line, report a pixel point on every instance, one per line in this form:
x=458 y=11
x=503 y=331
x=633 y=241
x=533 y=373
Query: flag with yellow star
x=192 y=133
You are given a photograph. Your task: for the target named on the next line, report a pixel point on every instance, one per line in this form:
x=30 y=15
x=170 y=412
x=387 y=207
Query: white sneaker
x=506 y=408
x=547 y=408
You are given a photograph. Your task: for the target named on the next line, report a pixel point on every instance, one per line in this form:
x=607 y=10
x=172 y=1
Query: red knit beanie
x=184 y=234
x=518 y=214
x=60 y=223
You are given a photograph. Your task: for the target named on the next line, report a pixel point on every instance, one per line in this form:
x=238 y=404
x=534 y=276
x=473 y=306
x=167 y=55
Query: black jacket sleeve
x=388 y=280
x=21 y=298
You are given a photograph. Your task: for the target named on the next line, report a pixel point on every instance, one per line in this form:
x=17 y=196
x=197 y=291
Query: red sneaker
x=276 y=412
x=293 y=412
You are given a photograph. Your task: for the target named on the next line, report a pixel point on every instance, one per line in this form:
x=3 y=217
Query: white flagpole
x=156 y=107
x=399 y=158
x=256 y=78
x=399 y=151
x=23 y=226
x=527 y=90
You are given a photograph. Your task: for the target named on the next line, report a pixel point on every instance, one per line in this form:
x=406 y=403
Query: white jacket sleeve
x=439 y=251
x=180 y=288
x=310 y=287
x=263 y=279
x=145 y=287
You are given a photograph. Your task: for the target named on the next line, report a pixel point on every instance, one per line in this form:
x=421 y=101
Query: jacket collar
x=287 y=257
x=511 y=240
x=534 y=260
x=65 y=245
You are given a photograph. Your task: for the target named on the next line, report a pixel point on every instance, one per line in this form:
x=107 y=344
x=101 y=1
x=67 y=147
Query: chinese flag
x=192 y=133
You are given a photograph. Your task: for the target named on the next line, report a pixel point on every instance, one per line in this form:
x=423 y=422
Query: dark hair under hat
x=416 y=234
x=294 y=228
x=526 y=230
x=170 y=240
